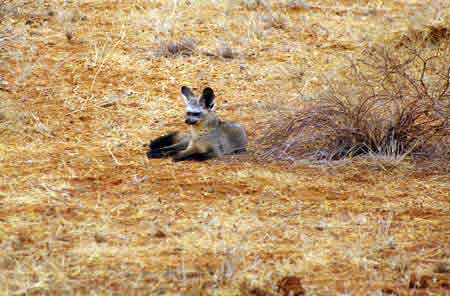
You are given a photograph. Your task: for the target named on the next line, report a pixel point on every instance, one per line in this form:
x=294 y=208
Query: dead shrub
x=389 y=101
x=297 y=4
x=224 y=50
x=255 y=4
x=432 y=35
x=274 y=20
x=186 y=46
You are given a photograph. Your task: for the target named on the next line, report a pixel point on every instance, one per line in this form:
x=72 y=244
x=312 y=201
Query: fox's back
x=233 y=136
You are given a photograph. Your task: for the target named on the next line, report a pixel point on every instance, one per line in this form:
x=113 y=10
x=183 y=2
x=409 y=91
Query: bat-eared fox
x=209 y=137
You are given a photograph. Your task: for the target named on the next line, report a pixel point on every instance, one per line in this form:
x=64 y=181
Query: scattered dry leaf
x=420 y=281
x=291 y=286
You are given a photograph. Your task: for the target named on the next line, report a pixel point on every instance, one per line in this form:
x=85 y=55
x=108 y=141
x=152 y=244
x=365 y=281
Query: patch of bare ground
x=82 y=211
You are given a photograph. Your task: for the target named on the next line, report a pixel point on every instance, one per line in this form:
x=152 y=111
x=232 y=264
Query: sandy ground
x=85 y=85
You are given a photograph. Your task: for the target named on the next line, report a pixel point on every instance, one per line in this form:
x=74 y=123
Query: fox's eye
x=194 y=113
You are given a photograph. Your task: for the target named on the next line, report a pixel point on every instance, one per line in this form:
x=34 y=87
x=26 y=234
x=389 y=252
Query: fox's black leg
x=203 y=156
x=185 y=155
x=241 y=150
x=168 y=145
x=167 y=151
x=156 y=154
x=164 y=141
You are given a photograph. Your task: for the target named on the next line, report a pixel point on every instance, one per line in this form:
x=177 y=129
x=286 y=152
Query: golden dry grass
x=83 y=212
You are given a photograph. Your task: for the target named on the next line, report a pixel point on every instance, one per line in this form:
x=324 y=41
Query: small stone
x=442 y=267
x=100 y=238
x=69 y=35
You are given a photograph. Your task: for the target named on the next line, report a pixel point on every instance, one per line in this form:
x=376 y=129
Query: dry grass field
x=84 y=86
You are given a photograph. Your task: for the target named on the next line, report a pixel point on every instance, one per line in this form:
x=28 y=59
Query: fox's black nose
x=190 y=121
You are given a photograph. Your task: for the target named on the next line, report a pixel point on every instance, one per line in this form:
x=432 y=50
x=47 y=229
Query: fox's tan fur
x=209 y=137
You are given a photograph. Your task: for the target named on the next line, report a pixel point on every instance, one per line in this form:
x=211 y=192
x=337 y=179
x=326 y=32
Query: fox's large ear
x=187 y=93
x=207 y=98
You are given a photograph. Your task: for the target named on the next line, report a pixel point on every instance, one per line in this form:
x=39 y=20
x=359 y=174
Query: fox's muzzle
x=193 y=117
x=191 y=121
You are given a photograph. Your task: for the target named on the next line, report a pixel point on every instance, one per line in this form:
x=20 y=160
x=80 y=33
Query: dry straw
x=84 y=212
x=391 y=100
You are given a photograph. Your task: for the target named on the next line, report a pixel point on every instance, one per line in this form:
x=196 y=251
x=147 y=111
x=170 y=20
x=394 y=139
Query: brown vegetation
x=390 y=101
